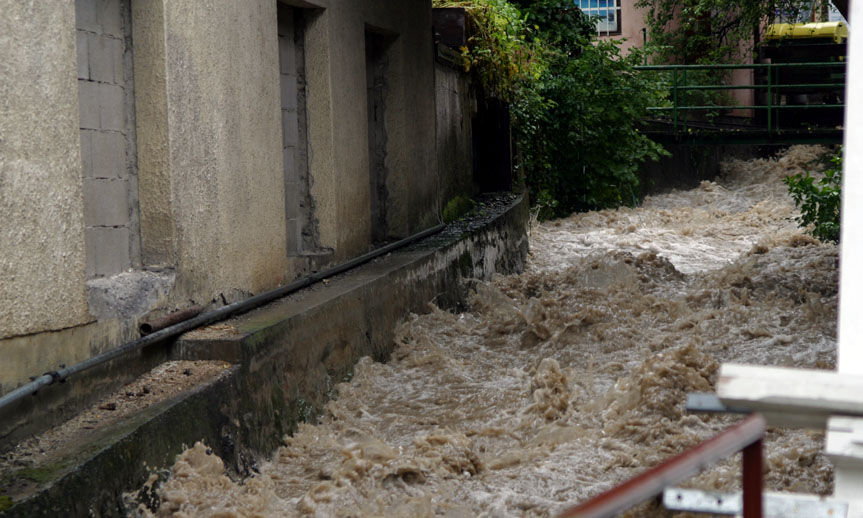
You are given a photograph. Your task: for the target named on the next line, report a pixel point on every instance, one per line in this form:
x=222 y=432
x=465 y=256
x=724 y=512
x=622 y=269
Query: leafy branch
x=819 y=200
x=576 y=103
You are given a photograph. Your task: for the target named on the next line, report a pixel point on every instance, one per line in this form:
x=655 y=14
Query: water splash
x=569 y=378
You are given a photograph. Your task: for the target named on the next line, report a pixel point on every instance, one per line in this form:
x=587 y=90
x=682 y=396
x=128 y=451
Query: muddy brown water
x=563 y=381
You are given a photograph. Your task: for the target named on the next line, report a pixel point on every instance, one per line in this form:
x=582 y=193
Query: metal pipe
x=151 y=326
x=217 y=315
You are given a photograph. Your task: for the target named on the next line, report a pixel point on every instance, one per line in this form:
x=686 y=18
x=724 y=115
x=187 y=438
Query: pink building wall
x=631 y=26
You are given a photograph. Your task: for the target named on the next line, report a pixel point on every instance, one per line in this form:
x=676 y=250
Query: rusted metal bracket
x=711 y=404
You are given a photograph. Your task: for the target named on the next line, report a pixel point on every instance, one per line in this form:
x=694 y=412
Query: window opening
x=300 y=224
x=377 y=63
x=606 y=13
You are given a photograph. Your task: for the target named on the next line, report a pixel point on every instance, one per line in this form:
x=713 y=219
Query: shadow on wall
x=688 y=165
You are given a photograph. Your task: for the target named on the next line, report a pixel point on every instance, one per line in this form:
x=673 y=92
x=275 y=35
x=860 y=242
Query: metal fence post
x=674 y=96
x=770 y=98
x=753 y=482
x=686 y=97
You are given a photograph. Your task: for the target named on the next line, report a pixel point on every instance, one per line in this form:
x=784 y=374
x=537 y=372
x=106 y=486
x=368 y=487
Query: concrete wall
x=221 y=130
x=198 y=182
x=339 y=135
x=289 y=355
x=42 y=261
x=107 y=121
x=454 y=105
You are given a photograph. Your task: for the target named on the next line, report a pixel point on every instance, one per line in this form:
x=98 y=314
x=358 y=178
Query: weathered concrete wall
x=218 y=123
x=151 y=110
x=688 y=164
x=91 y=476
x=338 y=130
x=293 y=352
x=211 y=193
x=42 y=264
x=56 y=403
x=212 y=201
x=106 y=105
x=45 y=314
x=454 y=152
x=224 y=146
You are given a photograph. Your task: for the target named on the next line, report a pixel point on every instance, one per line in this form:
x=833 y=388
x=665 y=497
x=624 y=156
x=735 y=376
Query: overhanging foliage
x=576 y=102
x=712 y=31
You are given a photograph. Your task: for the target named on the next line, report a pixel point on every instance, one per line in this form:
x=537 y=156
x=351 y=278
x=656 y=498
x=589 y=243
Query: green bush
x=575 y=102
x=579 y=143
x=819 y=200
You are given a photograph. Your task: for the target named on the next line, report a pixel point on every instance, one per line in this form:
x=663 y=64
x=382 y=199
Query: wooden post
x=851 y=262
x=849 y=477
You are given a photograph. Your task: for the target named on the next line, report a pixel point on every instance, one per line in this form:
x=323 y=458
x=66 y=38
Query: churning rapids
x=569 y=378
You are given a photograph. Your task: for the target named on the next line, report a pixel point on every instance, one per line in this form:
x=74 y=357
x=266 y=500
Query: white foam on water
x=569 y=378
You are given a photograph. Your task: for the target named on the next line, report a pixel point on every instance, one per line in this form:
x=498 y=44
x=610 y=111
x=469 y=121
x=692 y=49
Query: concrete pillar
x=210 y=145
x=321 y=124
x=151 y=115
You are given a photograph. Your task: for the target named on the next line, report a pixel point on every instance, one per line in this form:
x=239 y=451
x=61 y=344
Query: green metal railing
x=773 y=85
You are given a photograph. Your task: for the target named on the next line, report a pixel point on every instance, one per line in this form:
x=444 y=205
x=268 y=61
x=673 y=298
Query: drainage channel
x=223 y=313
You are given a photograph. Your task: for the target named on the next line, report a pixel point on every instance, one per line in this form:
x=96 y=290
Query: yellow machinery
x=786 y=44
x=835 y=32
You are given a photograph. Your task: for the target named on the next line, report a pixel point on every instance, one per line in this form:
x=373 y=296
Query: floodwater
x=563 y=381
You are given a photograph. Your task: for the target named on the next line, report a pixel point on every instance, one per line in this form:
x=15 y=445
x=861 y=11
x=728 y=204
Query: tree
x=712 y=31
x=575 y=102
x=587 y=151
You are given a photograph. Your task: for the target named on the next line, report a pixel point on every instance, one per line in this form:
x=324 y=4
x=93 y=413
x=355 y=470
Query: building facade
x=622 y=20
x=158 y=154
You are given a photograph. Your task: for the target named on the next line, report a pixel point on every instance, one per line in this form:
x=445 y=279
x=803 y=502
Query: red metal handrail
x=745 y=435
